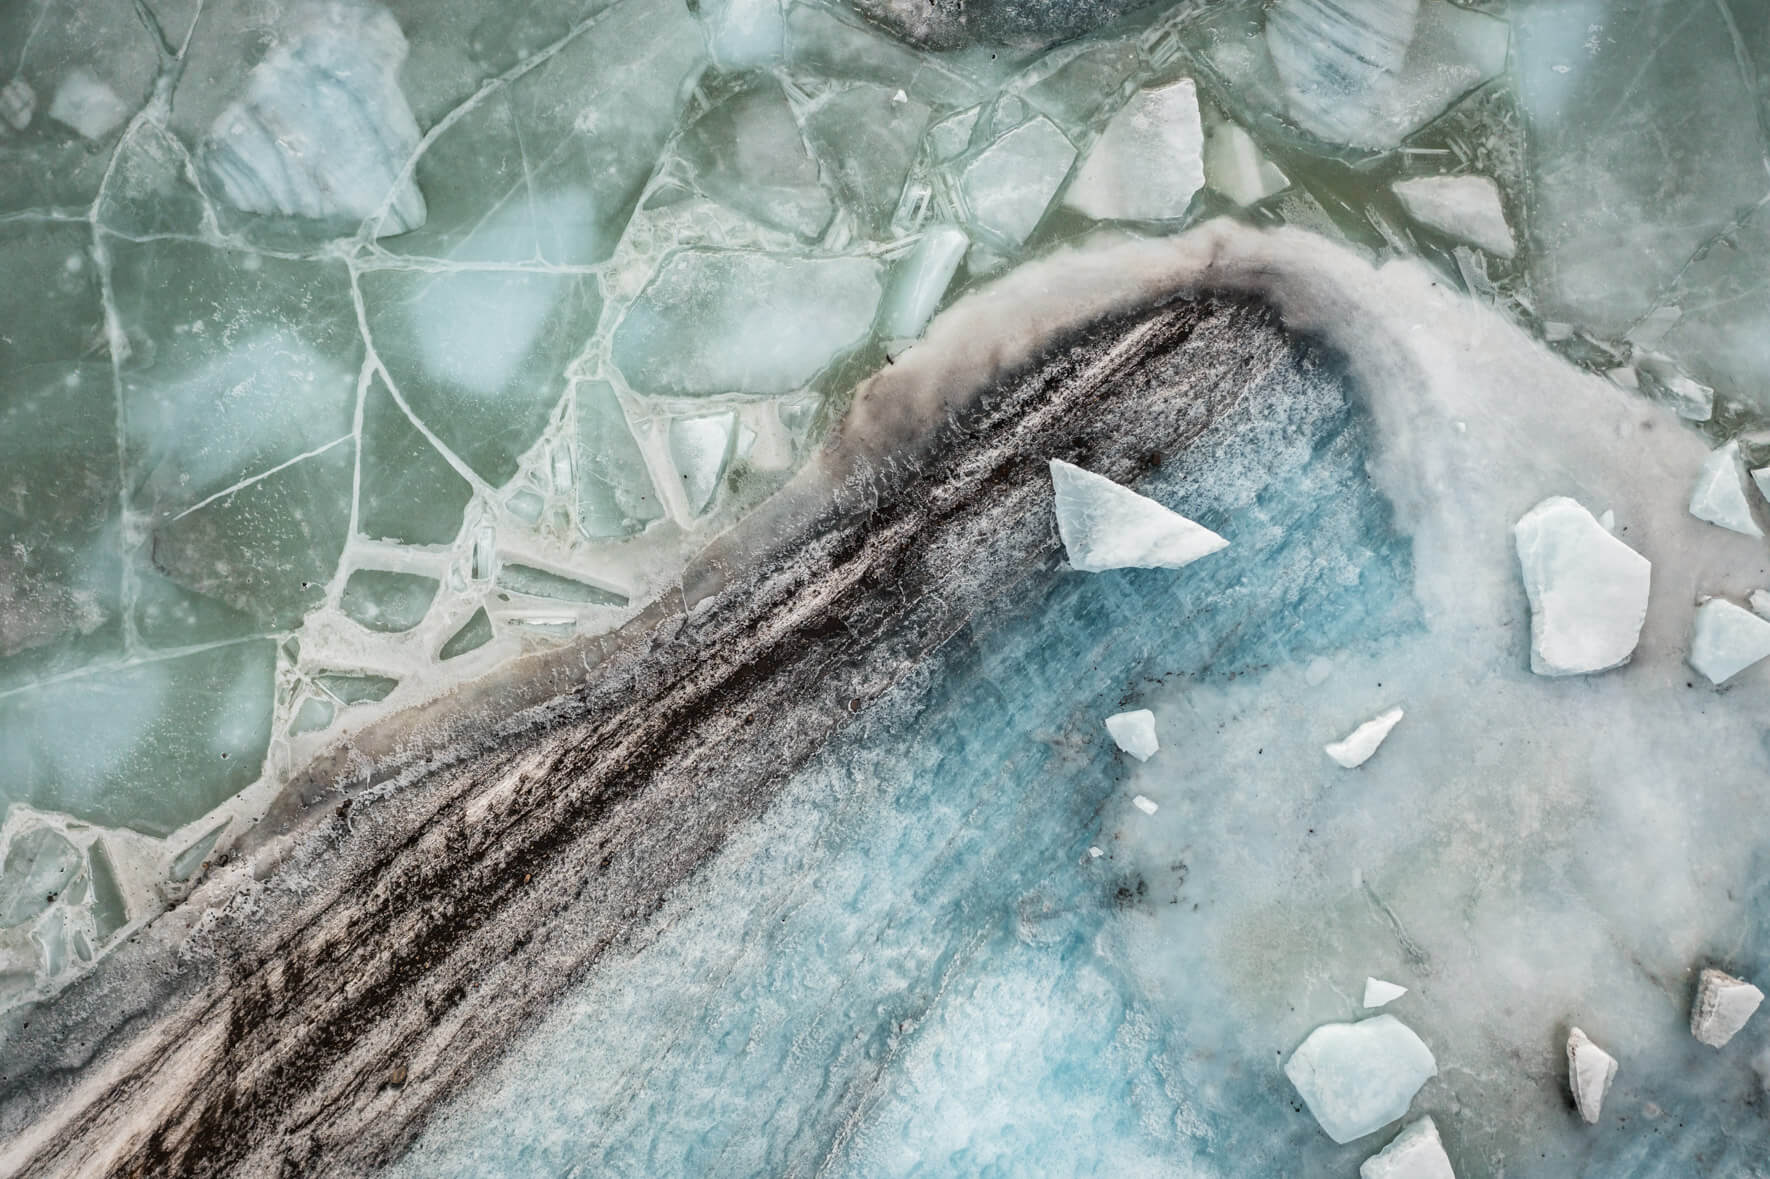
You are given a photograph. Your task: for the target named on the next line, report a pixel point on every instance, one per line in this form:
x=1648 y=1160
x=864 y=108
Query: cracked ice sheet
x=1557 y=840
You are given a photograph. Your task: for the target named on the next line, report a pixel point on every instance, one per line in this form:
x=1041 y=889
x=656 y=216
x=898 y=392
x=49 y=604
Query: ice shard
x=1415 y=1153
x=1587 y=590
x=1148 y=162
x=1590 y=1070
x=702 y=448
x=1106 y=526
x=1466 y=208
x=1379 y=993
x=1722 y=1007
x=1356 y=1078
x=1362 y=743
x=1134 y=732
x=1008 y=186
x=1726 y=639
x=1338 y=59
x=1719 y=495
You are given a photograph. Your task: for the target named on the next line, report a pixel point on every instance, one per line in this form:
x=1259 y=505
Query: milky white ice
x=1719 y=496
x=1380 y=993
x=1463 y=207
x=1590 y=1070
x=1148 y=162
x=1587 y=589
x=1761 y=478
x=1360 y=744
x=1723 y=1004
x=1147 y=805
x=1106 y=526
x=1759 y=600
x=1356 y=1078
x=1416 y=1153
x=1726 y=639
x=1134 y=732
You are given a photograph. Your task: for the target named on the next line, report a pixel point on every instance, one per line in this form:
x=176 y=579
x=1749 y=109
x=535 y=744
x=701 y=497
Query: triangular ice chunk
x=1719 y=497
x=1134 y=732
x=1587 y=590
x=1467 y=208
x=1106 y=526
x=1416 y=1153
x=1723 y=1004
x=1378 y=992
x=1362 y=742
x=1727 y=639
x=1590 y=1070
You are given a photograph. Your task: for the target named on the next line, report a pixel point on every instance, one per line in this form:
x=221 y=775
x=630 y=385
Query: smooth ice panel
x=867 y=137
x=388 y=601
x=748 y=152
x=1008 y=185
x=1356 y=1078
x=1148 y=162
x=1107 y=526
x=39 y=863
x=615 y=492
x=921 y=280
x=701 y=448
x=1416 y=1153
x=1587 y=590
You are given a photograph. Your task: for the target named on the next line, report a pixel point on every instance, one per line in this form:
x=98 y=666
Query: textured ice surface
x=1107 y=526
x=1719 y=494
x=1415 y=1153
x=1134 y=732
x=1378 y=993
x=1590 y=1071
x=1467 y=208
x=1339 y=61
x=1360 y=745
x=1235 y=166
x=1726 y=639
x=1356 y=1078
x=1588 y=590
x=1723 y=1006
x=1148 y=162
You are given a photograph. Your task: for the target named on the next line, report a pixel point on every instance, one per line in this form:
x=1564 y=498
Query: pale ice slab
x=85 y=102
x=701 y=449
x=1379 y=992
x=1719 y=495
x=1011 y=183
x=323 y=130
x=1236 y=167
x=1416 y=1153
x=1727 y=639
x=1660 y=377
x=1106 y=526
x=1590 y=1070
x=1356 y=1078
x=1587 y=589
x=1361 y=744
x=1337 y=57
x=1760 y=603
x=921 y=279
x=1761 y=480
x=1467 y=208
x=1134 y=732
x=1149 y=161
x=1723 y=1005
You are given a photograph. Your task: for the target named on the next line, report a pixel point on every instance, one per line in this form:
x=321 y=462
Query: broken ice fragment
x=540 y=583
x=1719 y=496
x=1590 y=1070
x=1378 y=993
x=1759 y=601
x=18 y=102
x=1010 y=183
x=921 y=279
x=867 y=139
x=1726 y=640
x=1148 y=163
x=1723 y=1004
x=1134 y=732
x=1338 y=59
x=322 y=130
x=86 y=103
x=1587 y=590
x=1466 y=208
x=387 y=601
x=701 y=449
x=1415 y=1153
x=1356 y=1078
x=187 y=862
x=1666 y=382
x=1237 y=168
x=475 y=633
x=1761 y=480
x=38 y=865
x=314 y=714
x=1106 y=526
x=1147 y=805
x=1359 y=745
x=615 y=492
x=748 y=152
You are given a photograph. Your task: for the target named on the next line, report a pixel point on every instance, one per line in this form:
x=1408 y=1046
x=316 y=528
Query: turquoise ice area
x=912 y=965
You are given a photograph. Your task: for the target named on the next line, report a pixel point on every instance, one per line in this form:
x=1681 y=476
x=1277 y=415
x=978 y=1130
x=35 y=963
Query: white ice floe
x=1362 y=742
x=1147 y=805
x=1416 y=1153
x=1719 y=496
x=1379 y=993
x=1134 y=732
x=1106 y=526
x=1149 y=161
x=1590 y=1070
x=1587 y=589
x=1356 y=1078
x=1727 y=639
x=85 y=102
x=1723 y=1004
x=1467 y=208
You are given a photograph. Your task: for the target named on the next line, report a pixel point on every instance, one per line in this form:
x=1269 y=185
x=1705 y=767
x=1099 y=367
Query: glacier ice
x=1722 y=1007
x=1106 y=526
x=1415 y=1153
x=1148 y=162
x=1380 y=993
x=85 y=102
x=1360 y=745
x=1588 y=590
x=1590 y=1070
x=1467 y=208
x=1719 y=494
x=1134 y=732
x=1009 y=184
x=1726 y=639
x=323 y=130
x=1356 y=1078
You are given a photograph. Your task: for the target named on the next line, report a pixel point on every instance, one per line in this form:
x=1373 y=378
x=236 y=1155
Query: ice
x=408 y=491
x=1356 y=1078
x=867 y=139
x=701 y=449
x=323 y=130
x=1726 y=639
x=921 y=279
x=1590 y=1070
x=1666 y=382
x=1415 y=1153
x=1722 y=1007
x=387 y=601
x=475 y=633
x=1466 y=208
x=1759 y=601
x=748 y=152
x=544 y=583
x=743 y=33
x=1339 y=60
x=1362 y=743
x=1761 y=480
x=1106 y=526
x=715 y=321
x=1378 y=993
x=615 y=492
x=1237 y=168
x=1009 y=184
x=1719 y=495
x=39 y=863
x=18 y=102
x=1134 y=732
x=85 y=102
x=1588 y=590
x=1147 y=805
x=1148 y=162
